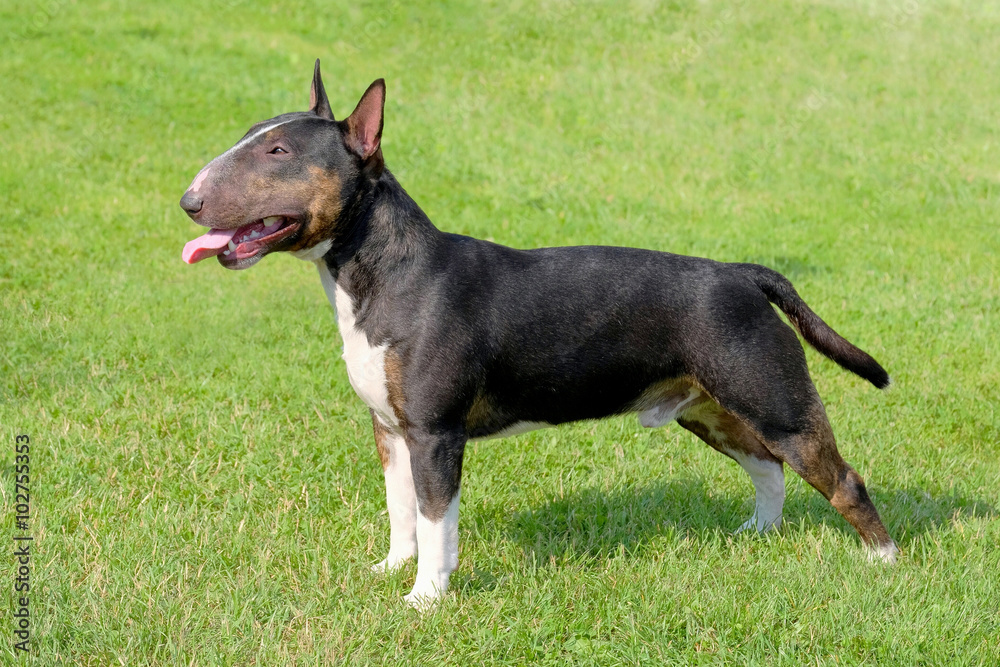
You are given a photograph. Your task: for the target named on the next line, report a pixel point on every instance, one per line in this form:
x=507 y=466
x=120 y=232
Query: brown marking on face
x=394 y=385
x=322 y=205
x=260 y=184
x=382 y=434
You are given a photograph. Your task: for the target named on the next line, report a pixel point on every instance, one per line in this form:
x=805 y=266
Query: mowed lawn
x=205 y=488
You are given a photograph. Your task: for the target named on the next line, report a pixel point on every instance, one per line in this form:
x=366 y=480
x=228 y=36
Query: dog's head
x=285 y=184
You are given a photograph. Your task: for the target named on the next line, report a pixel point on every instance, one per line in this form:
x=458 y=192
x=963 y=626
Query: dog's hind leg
x=791 y=427
x=755 y=369
x=727 y=434
x=400 y=497
x=812 y=453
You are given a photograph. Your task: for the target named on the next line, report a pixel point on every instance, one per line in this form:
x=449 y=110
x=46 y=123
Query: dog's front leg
x=436 y=463
x=400 y=497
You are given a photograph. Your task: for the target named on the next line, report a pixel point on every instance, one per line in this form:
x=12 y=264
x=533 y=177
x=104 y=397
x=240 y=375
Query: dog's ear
x=318 y=103
x=364 y=125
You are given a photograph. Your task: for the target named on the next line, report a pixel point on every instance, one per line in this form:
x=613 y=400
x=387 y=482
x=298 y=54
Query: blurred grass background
x=205 y=488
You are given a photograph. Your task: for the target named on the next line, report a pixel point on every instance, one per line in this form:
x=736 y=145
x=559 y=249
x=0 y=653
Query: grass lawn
x=205 y=488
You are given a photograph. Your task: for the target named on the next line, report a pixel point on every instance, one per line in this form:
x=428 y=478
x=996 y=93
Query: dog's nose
x=191 y=203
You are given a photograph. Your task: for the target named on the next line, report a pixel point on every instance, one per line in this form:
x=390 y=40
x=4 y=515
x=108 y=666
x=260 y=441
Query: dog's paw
x=390 y=564
x=423 y=601
x=427 y=593
x=884 y=553
x=754 y=524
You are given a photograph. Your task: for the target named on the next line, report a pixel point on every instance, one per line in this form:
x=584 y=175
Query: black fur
x=563 y=334
x=817 y=332
x=480 y=337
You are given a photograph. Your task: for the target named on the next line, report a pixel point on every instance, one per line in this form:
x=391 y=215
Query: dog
x=449 y=338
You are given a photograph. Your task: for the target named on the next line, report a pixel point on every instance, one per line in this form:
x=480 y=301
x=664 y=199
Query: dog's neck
x=382 y=232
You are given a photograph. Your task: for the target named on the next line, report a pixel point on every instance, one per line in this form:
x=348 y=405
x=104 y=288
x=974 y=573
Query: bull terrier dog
x=448 y=338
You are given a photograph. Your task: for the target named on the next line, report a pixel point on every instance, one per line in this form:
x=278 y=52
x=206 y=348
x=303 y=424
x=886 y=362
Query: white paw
x=422 y=601
x=390 y=564
x=427 y=592
x=760 y=526
x=885 y=553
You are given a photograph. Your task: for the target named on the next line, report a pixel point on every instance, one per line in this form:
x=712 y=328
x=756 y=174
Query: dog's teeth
x=226 y=252
x=232 y=246
x=271 y=220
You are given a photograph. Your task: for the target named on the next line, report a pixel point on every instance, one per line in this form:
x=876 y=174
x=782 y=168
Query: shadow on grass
x=790 y=267
x=594 y=524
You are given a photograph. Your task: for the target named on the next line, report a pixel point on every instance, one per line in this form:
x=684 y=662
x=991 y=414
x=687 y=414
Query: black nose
x=191 y=203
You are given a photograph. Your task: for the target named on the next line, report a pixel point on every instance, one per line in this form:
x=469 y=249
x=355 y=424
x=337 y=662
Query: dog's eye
x=277 y=150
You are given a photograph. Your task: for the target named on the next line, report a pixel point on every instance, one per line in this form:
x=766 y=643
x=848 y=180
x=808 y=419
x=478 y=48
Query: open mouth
x=241 y=247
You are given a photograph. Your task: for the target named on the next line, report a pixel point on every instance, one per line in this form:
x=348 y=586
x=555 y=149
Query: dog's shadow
x=593 y=524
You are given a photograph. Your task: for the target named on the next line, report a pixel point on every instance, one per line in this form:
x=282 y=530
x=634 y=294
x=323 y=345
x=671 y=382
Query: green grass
x=205 y=486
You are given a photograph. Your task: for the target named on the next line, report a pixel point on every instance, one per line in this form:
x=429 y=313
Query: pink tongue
x=208 y=245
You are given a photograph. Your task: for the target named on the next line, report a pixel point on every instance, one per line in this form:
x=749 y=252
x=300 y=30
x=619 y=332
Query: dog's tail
x=817 y=333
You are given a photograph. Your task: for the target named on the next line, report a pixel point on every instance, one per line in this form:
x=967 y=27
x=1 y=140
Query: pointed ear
x=318 y=103
x=364 y=125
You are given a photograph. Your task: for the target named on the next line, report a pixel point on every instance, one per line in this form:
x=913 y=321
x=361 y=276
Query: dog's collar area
x=234 y=246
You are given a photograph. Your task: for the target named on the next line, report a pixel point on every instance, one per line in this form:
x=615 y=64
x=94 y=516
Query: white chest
x=365 y=363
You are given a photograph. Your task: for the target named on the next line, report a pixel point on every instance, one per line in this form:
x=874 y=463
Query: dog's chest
x=365 y=362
